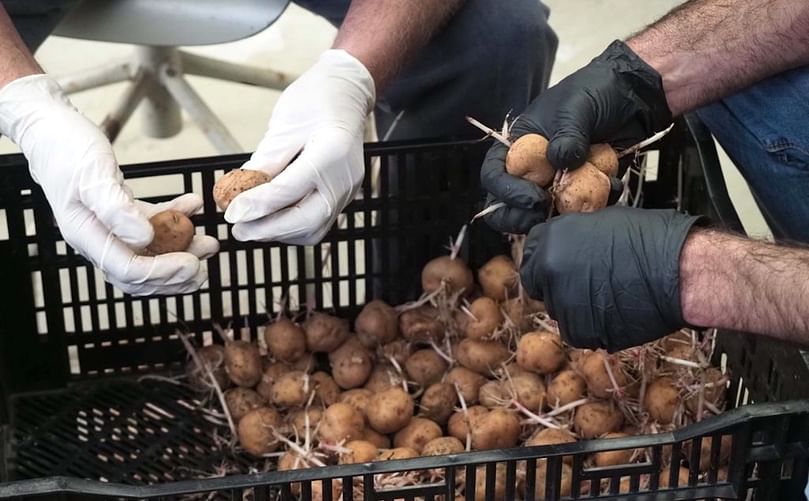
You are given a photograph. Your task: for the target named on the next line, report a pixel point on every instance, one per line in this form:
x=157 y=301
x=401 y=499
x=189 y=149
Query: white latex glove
x=73 y=162
x=322 y=117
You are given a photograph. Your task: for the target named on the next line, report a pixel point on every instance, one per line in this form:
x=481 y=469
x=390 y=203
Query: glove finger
x=512 y=190
x=513 y=219
x=203 y=246
x=276 y=150
x=189 y=204
x=156 y=288
x=287 y=188
x=101 y=190
x=302 y=224
x=569 y=145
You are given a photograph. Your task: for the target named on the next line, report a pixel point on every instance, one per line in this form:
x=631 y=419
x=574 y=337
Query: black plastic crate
x=73 y=410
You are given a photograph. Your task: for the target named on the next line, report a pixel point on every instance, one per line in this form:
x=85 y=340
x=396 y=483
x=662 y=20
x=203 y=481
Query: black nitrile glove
x=610 y=278
x=617 y=99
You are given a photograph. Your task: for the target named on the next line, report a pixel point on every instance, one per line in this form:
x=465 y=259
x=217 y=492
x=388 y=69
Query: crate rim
x=711 y=426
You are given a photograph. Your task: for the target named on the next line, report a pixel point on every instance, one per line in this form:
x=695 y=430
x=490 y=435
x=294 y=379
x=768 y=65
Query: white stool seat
x=170 y=22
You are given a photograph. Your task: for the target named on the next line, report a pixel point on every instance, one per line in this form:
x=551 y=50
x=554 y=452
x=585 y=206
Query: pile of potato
x=472 y=365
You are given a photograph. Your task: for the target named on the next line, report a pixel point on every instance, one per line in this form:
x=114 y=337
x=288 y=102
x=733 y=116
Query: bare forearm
x=15 y=59
x=734 y=283
x=709 y=49
x=382 y=34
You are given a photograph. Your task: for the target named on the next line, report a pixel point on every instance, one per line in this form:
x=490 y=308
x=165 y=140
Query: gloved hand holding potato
x=73 y=162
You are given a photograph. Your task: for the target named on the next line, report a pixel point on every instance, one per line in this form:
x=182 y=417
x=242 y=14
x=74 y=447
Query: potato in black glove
x=617 y=98
x=610 y=278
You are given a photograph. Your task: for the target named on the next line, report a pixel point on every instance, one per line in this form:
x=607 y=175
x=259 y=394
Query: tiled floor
x=584 y=28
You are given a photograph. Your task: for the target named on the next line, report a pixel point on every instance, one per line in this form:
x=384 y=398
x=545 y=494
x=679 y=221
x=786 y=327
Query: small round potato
x=256 y=431
x=377 y=324
x=390 y=410
x=236 y=182
x=285 y=340
x=499 y=278
x=241 y=401
x=527 y=159
x=243 y=363
x=604 y=158
x=454 y=273
x=417 y=433
x=585 y=189
x=173 y=232
x=438 y=402
x=324 y=333
x=340 y=421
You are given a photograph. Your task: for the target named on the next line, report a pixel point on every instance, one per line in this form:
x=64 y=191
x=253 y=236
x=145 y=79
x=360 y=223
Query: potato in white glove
x=73 y=162
x=322 y=117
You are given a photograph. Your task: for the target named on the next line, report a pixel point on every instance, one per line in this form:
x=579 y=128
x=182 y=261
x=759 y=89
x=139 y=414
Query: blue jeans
x=490 y=59
x=765 y=131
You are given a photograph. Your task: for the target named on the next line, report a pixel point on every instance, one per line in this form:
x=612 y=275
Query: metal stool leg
x=161 y=113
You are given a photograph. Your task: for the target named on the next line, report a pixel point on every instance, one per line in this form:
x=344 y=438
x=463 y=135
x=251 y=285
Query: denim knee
x=763 y=130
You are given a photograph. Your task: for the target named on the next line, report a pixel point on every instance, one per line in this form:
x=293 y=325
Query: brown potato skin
x=458 y=427
x=526 y=158
x=325 y=333
x=529 y=390
x=469 y=383
x=377 y=324
x=241 y=401
x=604 y=158
x=661 y=400
x=442 y=446
x=383 y=377
x=285 y=340
x=271 y=373
x=585 y=189
x=357 y=398
x=340 y=421
x=497 y=429
x=551 y=436
x=417 y=433
x=613 y=458
x=421 y=325
x=541 y=352
x=480 y=356
x=361 y=451
x=297 y=419
x=594 y=419
x=487 y=318
x=173 y=232
x=390 y=410
x=397 y=453
x=255 y=431
x=243 y=363
x=351 y=364
x=379 y=440
x=236 y=182
x=454 y=271
x=425 y=367
x=326 y=389
x=438 y=402
x=566 y=387
x=289 y=390
x=498 y=278
x=591 y=367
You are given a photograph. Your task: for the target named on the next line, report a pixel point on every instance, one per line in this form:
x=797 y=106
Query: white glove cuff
x=21 y=99
x=344 y=65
